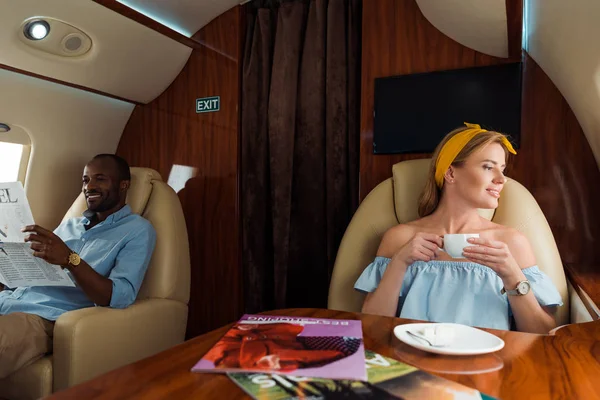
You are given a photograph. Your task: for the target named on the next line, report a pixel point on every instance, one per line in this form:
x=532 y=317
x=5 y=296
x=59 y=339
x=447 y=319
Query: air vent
x=61 y=39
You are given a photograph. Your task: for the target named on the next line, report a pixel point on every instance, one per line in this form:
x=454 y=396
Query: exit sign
x=208 y=104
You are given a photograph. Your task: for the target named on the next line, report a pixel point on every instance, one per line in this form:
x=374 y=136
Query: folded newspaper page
x=18 y=265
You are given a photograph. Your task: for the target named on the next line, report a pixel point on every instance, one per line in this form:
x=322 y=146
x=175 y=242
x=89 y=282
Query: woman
x=467 y=173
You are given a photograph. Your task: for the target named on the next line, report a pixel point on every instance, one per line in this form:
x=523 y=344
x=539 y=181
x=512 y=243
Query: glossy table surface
x=565 y=365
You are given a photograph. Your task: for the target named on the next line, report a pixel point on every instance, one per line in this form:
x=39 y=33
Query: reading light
x=36 y=29
x=4 y=128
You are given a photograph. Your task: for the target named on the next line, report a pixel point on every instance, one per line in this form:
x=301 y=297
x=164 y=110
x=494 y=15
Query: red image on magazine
x=277 y=347
x=285 y=345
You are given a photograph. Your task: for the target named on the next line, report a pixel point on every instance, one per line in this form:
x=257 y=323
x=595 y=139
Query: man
x=106 y=253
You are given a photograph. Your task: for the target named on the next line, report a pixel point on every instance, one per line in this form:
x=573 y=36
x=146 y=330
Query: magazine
x=387 y=379
x=296 y=346
x=18 y=265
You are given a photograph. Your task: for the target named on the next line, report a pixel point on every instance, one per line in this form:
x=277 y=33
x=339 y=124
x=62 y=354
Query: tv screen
x=414 y=112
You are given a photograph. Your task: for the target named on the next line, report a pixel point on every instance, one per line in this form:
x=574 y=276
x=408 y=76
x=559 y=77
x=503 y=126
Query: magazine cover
x=387 y=379
x=297 y=346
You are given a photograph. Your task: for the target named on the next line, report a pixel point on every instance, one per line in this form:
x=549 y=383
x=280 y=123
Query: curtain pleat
x=282 y=122
x=300 y=145
x=257 y=241
x=308 y=263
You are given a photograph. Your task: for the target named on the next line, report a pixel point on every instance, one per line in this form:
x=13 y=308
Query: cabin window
x=15 y=148
x=10 y=161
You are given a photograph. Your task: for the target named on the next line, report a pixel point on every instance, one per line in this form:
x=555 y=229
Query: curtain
x=300 y=146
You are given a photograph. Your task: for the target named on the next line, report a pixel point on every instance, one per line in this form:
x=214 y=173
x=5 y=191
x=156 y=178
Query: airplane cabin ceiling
x=184 y=16
x=126 y=59
x=478 y=24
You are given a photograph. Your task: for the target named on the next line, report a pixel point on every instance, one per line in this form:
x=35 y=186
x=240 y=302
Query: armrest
x=95 y=340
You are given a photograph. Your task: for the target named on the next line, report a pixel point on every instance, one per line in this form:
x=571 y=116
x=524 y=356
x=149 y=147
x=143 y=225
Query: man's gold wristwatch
x=74 y=259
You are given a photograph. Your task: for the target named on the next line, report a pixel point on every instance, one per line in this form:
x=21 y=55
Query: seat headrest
x=137 y=195
x=409 y=178
x=141 y=187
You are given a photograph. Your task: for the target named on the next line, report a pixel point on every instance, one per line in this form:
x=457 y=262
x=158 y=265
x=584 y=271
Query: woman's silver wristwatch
x=522 y=289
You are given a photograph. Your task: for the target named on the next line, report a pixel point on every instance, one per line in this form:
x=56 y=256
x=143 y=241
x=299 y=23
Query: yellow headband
x=454 y=146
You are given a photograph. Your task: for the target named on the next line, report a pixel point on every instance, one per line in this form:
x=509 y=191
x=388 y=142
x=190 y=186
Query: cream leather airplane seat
x=396 y=201
x=92 y=341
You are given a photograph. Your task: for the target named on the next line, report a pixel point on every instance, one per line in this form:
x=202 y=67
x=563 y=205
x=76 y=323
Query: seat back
x=396 y=201
x=168 y=275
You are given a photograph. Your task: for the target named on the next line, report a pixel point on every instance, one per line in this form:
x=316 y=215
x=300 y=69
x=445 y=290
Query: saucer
x=467 y=340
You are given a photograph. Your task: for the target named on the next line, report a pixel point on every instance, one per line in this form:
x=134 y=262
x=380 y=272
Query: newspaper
x=18 y=265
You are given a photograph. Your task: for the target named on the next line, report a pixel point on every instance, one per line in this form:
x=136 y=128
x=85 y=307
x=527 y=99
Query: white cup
x=455 y=243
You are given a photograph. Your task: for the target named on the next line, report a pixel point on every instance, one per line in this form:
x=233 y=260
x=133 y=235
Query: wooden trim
x=579 y=286
x=65 y=83
x=514 y=27
x=167 y=132
x=140 y=18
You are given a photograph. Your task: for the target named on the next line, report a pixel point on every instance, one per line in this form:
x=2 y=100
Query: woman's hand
x=422 y=247
x=493 y=254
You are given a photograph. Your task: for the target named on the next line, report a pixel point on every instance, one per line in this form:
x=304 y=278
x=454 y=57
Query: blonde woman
x=413 y=278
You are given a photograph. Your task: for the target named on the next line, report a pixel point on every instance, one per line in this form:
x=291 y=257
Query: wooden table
x=563 y=366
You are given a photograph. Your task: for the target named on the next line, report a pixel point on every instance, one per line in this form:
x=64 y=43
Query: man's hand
x=47 y=245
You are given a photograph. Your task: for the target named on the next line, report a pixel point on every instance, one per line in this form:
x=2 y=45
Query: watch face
x=74 y=259
x=523 y=287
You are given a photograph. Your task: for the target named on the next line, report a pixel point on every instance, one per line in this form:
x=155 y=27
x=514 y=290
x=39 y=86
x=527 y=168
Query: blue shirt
x=461 y=292
x=118 y=248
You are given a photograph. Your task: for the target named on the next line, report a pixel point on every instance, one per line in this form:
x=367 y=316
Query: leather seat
x=395 y=200
x=92 y=341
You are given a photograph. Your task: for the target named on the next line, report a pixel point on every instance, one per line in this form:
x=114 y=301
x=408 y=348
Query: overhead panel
x=184 y=16
x=126 y=59
x=478 y=24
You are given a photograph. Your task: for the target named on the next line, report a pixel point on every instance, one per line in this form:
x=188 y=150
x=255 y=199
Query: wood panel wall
x=554 y=162
x=399 y=40
x=557 y=165
x=168 y=132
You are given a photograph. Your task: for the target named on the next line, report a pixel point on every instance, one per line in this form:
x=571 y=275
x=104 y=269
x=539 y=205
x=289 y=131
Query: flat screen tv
x=414 y=112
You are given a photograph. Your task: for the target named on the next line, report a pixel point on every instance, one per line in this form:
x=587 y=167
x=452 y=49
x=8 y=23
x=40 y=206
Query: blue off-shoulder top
x=452 y=291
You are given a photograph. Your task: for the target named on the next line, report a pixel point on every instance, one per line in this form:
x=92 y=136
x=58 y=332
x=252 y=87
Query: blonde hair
x=430 y=197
